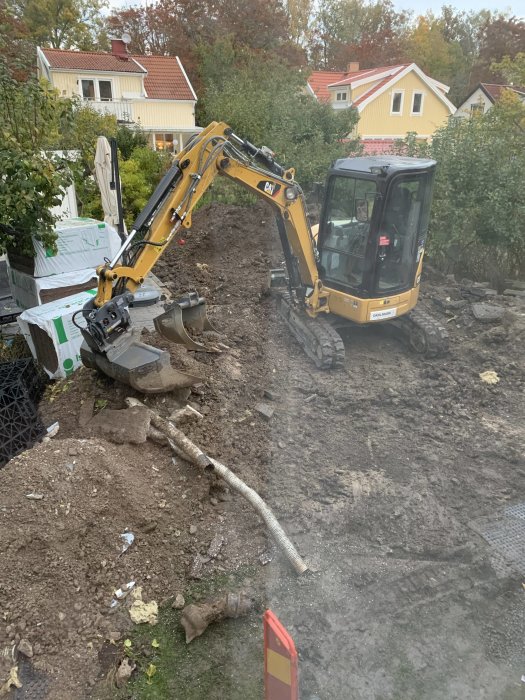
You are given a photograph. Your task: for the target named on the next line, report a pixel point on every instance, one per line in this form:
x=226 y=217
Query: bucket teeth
x=187 y=312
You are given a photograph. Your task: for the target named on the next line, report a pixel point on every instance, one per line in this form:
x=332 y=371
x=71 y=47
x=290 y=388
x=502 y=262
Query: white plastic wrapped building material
x=81 y=244
x=51 y=335
x=29 y=291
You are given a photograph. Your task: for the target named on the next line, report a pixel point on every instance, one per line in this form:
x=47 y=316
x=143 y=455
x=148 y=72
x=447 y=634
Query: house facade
x=391 y=101
x=483 y=97
x=152 y=92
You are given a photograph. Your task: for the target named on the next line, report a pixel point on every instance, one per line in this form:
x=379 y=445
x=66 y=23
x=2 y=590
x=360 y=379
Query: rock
x=196 y=567
x=127 y=425
x=214 y=501
x=193 y=529
x=265 y=411
x=25 y=648
x=86 y=412
x=487 y=313
x=450 y=304
x=515 y=293
x=179 y=602
x=124 y=672
x=516 y=284
x=215 y=545
x=272 y=395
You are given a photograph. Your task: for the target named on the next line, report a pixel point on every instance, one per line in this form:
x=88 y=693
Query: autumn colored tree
x=63 y=24
x=499 y=36
x=351 y=30
x=16 y=49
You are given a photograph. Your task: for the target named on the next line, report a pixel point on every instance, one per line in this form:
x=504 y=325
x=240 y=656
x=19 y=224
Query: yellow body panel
x=371 y=310
x=376 y=119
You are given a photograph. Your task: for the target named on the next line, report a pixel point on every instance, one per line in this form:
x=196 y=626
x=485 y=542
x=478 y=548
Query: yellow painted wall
x=376 y=120
x=168 y=115
x=121 y=83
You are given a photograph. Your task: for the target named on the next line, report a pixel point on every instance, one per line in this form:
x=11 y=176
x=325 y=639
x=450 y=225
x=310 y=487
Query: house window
x=105 y=91
x=417 y=103
x=164 y=142
x=341 y=96
x=397 y=103
x=96 y=90
x=88 y=89
x=476 y=108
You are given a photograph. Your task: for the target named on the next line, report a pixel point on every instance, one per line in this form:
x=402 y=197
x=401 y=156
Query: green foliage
x=269 y=107
x=513 y=69
x=64 y=24
x=130 y=139
x=140 y=175
x=478 y=210
x=32 y=182
x=85 y=128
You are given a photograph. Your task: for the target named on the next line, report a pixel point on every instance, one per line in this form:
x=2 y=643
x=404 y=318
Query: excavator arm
x=215 y=151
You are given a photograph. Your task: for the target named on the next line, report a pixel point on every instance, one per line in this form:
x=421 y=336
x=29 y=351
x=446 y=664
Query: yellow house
x=391 y=101
x=153 y=92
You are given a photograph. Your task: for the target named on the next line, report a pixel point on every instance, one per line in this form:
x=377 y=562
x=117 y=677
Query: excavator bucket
x=187 y=312
x=143 y=367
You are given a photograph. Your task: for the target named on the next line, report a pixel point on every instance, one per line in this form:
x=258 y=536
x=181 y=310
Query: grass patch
x=226 y=662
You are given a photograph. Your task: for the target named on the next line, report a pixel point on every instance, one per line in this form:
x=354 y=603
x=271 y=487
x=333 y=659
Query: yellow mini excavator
x=361 y=265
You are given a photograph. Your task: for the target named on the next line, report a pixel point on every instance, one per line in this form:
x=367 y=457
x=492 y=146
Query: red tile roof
x=370 y=73
x=494 y=91
x=165 y=79
x=89 y=61
x=319 y=81
x=377 y=87
x=164 y=76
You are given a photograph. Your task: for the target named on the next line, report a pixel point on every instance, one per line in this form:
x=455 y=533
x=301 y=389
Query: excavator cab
x=374 y=223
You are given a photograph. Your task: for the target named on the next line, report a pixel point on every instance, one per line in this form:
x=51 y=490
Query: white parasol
x=103 y=174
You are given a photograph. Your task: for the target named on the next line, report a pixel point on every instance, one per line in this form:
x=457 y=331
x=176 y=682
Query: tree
x=269 y=107
x=63 y=24
x=476 y=226
x=512 y=70
x=352 y=30
x=499 y=36
x=16 y=50
x=32 y=182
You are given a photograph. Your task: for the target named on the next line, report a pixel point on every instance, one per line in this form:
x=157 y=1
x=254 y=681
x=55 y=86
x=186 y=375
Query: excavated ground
x=382 y=473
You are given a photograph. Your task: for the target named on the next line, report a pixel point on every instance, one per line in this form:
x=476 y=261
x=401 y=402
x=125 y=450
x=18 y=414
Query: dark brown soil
x=376 y=471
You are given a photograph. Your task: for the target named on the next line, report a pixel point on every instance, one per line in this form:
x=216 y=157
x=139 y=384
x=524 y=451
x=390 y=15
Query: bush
x=269 y=107
x=478 y=210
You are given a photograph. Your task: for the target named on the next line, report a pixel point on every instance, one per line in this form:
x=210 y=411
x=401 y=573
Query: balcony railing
x=121 y=109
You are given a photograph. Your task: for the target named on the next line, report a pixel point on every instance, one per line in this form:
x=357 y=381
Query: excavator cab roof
x=389 y=165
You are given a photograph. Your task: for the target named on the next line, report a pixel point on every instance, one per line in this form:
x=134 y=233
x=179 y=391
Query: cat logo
x=268 y=187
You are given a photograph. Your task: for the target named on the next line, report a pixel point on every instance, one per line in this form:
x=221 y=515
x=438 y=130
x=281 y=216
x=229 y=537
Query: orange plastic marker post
x=280 y=661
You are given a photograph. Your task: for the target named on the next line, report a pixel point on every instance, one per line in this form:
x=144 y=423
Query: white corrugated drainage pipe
x=194 y=454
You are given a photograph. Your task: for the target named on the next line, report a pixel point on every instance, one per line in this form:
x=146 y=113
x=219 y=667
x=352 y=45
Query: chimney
x=119 y=49
x=353 y=67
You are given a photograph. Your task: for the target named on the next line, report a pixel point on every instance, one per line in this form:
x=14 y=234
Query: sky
x=516 y=7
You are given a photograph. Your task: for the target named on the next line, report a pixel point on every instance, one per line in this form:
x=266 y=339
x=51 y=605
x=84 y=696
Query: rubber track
x=436 y=335
x=316 y=336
